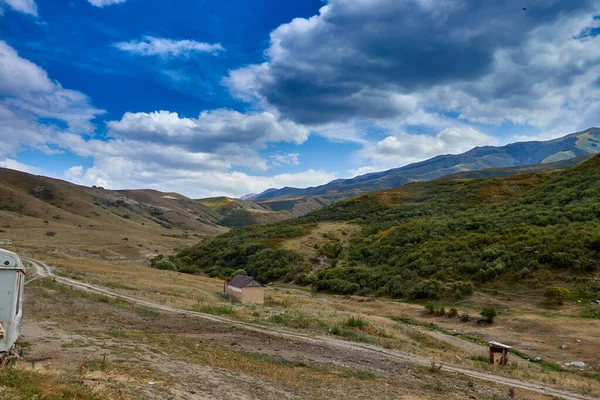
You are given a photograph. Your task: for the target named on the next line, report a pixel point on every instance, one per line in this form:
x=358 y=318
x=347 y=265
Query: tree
x=489 y=314
x=240 y=272
x=557 y=293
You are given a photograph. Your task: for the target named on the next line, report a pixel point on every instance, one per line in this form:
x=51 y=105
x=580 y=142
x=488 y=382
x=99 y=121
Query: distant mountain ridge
x=479 y=158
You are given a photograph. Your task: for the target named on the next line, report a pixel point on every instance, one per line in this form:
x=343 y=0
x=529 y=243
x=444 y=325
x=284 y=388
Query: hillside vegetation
x=431 y=239
x=512 y=155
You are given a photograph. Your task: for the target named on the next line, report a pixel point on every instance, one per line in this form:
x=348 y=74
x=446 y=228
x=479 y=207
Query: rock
x=578 y=364
x=578 y=341
x=537 y=358
x=2 y=389
x=564 y=347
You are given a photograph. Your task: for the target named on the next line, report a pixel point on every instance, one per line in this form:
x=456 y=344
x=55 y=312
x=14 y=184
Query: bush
x=240 y=272
x=440 y=311
x=337 y=285
x=430 y=307
x=331 y=250
x=557 y=293
x=489 y=314
x=50 y=233
x=165 y=265
x=453 y=313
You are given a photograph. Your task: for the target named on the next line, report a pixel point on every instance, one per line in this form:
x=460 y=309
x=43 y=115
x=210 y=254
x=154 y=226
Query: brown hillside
x=40 y=213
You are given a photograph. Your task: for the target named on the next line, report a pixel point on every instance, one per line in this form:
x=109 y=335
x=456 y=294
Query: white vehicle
x=12 y=278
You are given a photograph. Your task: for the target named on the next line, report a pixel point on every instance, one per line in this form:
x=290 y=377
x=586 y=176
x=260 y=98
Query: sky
x=210 y=97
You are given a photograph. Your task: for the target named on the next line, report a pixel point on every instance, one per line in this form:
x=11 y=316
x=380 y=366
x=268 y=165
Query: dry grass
x=529 y=332
x=197 y=360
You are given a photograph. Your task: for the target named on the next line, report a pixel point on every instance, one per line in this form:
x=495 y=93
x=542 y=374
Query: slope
x=42 y=213
x=434 y=239
x=512 y=155
x=235 y=213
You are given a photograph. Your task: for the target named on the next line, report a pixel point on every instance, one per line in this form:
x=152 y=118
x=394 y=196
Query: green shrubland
x=431 y=240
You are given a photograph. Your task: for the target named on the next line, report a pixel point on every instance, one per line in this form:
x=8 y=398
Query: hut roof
x=240 y=281
x=500 y=345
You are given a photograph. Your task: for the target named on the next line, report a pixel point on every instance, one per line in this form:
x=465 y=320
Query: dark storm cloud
x=366 y=58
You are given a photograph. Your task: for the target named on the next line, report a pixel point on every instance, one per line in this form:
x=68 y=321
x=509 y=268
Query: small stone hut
x=244 y=289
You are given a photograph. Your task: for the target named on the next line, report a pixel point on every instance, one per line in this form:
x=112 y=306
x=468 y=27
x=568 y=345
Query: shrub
x=240 y=272
x=427 y=290
x=489 y=314
x=50 y=233
x=591 y=312
x=331 y=250
x=557 y=293
x=440 y=311
x=453 y=313
x=165 y=265
x=337 y=285
x=430 y=307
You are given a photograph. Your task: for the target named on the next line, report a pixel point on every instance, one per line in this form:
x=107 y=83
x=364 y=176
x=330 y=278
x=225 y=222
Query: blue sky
x=226 y=98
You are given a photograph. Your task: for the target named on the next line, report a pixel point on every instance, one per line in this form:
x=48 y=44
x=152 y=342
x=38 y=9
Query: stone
x=538 y=358
x=578 y=364
x=564 y=347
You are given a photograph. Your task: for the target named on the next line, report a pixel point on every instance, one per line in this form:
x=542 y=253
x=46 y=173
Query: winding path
x=43 y=270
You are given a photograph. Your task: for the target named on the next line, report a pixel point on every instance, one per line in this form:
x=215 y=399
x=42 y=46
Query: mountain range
x=479 y=158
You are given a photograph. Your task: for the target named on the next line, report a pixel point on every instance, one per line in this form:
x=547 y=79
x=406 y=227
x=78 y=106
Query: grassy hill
x=430 y=239
x=479 y=158
x=48 y=214
x=235 y=213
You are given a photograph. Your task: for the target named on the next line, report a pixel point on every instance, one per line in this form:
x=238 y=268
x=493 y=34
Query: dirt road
x=43 y=270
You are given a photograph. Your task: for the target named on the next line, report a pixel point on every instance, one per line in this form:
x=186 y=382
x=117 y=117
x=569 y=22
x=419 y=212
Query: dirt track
x=44 y=271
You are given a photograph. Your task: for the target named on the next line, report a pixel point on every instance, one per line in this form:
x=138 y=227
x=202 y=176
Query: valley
x=381 y=293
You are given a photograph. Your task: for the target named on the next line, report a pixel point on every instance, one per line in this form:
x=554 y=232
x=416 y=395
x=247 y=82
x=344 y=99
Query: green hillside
x=431 y=239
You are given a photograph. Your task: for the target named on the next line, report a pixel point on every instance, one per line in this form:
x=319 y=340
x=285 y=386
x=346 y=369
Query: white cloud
x=23 y=6
x=27 y=94
x=403 y=149
x=280 y=159
x=14 y=164
x=104 y=3
x=212 y=130
x=192 y=183
x=153 y=46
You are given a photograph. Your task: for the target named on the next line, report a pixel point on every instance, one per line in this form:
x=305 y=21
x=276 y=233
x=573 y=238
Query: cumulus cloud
x=403 y=149
x=104 y=3
x=193 y=183
x=23 y=6
x=212 y=129
x=27 y=94
x=158 y=149
x=488 y=62
x=153 y=46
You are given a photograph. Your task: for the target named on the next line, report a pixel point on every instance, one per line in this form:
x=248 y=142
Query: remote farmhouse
x=244 y=289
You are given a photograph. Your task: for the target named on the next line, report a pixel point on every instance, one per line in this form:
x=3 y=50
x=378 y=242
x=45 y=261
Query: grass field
x=533 y=328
